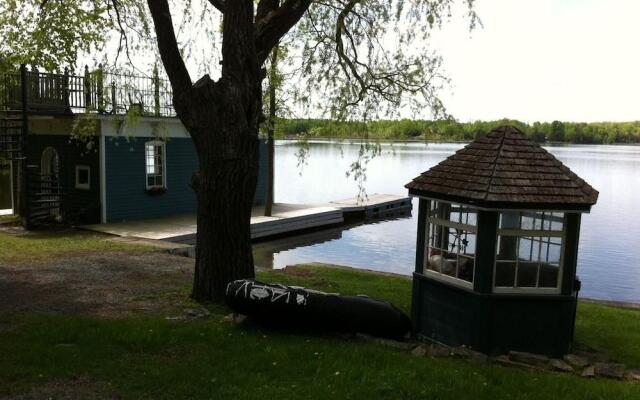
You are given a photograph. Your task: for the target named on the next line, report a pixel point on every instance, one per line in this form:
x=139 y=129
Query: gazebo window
x=451 y=242
x=529 y=252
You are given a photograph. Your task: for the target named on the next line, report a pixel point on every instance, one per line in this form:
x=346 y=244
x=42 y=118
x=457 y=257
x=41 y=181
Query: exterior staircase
x=44 y=194
x=44 y=197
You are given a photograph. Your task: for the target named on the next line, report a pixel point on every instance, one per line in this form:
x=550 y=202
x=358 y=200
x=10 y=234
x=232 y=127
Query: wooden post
x=87 y=88
x=24 y=206
x=114 y=106
x=156 y=90
x=487 y=227
x=35 y=94
x=65 y=88
x=271 y=121
x=99 y=88
x=421 y=239
x=570 y=257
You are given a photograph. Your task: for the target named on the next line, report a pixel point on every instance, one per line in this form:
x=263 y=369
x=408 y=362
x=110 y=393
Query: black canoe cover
x=296 y=307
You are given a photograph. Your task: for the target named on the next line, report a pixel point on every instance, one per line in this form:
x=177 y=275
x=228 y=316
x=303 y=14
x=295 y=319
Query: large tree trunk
x=225 y=190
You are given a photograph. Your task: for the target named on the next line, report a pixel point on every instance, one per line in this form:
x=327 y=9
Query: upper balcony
x=95 y=92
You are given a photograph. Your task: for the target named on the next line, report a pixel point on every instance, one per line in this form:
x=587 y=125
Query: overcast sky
x=542 y=60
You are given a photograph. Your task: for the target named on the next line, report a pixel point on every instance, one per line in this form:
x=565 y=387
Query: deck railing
x=92 y=92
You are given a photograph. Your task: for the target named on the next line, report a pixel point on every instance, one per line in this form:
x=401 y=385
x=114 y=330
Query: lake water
x=609 y=242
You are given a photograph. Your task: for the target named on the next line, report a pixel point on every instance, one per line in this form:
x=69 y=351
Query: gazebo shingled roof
x=504 y=169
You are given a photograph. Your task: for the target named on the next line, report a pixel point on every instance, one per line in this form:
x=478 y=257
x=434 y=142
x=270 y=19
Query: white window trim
x=164 y=164
x=480 y=208
x=450 y=224
x=532 y=233
x=439 y=276
x=83 y=186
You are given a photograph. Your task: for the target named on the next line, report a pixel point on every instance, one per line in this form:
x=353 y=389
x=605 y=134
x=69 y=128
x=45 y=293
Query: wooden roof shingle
x=504 y=169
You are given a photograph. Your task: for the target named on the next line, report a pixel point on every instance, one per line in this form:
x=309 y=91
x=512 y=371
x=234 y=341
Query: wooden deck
x=182 y=228
x=285 y=219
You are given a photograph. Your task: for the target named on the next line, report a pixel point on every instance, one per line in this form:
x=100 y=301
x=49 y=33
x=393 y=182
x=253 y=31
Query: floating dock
x=374 y=206
x=286 y=219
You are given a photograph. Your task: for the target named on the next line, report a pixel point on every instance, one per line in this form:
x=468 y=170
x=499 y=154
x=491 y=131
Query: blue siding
x=127 y=198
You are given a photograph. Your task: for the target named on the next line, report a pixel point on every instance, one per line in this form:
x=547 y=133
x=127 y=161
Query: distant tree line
x=447 y=130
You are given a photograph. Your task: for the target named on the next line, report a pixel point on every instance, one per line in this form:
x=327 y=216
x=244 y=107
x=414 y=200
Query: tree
x=557 y=132
x=356 y=58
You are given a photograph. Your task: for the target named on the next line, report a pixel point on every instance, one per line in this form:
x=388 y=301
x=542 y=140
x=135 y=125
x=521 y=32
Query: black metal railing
x=92 y=92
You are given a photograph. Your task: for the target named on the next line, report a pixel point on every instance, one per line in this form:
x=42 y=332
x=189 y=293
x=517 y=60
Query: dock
x=286 y=219
x=374 y=206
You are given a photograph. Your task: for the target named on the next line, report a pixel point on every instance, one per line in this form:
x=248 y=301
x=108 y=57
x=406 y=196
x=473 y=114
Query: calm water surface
x=609 y=243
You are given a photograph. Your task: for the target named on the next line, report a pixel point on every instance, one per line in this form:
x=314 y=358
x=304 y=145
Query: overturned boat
x=299 y=308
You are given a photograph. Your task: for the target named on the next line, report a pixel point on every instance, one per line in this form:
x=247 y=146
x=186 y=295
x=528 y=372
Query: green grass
x=151 y=357
x=9 y=217
x=613 y=330
x=45 y=245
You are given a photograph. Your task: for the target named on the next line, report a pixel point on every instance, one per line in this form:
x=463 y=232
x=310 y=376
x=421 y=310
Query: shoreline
x=384 y=140
x=610 y=303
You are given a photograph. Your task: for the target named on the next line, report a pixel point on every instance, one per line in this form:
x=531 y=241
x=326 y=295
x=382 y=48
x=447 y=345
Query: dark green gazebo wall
x=491 y=322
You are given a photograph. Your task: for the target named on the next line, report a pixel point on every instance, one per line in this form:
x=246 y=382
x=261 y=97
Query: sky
x=544 y=60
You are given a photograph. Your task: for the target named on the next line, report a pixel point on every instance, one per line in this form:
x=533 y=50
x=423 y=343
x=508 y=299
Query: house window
x=155 y=164
x=451 y=242
x=529 y=252
x=83 y=177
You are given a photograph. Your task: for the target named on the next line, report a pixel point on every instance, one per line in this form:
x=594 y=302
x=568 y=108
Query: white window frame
x=83 y=186
x=450 y=224
x=163 y=145
x=520 y=233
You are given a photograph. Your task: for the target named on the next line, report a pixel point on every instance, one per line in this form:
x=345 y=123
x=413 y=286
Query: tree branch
x=265 y=7
x=345 y=62
x=169 y=52
x=275 y=23
x=220 y=5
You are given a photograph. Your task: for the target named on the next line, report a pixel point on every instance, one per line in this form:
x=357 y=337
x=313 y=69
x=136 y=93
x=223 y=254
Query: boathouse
x=136 y=161
x=497 y=247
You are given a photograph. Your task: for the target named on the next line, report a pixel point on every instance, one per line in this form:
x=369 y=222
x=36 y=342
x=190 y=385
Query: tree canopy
x=345 y=59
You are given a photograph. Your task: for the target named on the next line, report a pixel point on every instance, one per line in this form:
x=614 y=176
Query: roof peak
x=505 y=169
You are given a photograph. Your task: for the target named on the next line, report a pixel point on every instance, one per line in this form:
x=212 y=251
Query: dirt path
x=112 y=284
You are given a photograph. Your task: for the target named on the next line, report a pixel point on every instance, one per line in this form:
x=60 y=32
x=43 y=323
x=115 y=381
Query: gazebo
x=498 y=230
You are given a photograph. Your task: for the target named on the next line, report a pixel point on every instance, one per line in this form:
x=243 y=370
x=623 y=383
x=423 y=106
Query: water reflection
x=277 y=253
x=609 y=251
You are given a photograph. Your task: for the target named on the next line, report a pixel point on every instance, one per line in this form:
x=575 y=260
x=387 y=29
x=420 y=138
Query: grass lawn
x=57 y=355
x=44 y=245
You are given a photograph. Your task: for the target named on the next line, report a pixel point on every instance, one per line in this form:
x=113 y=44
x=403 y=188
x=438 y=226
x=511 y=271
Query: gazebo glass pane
x=527 y=273
x=509 y=220
x=451 y=244
x=505 y=273
x=549 y=275
x=507 y=246
x=525 y=261
x=465 y=268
